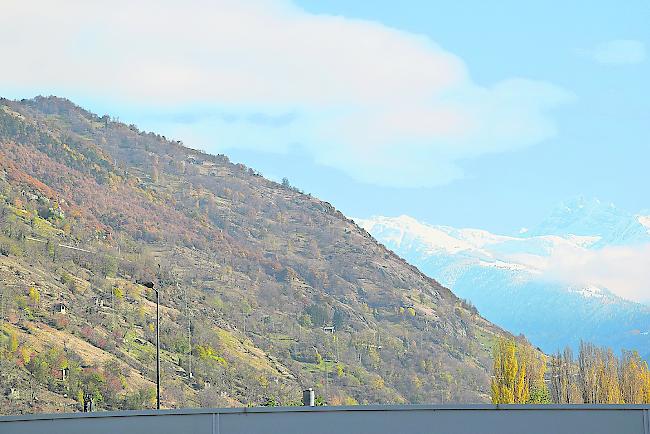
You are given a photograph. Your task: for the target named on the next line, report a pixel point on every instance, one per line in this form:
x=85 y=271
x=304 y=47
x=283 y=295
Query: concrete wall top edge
x=358 y=408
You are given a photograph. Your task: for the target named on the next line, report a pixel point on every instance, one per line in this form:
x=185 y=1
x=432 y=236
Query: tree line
x=523 y=375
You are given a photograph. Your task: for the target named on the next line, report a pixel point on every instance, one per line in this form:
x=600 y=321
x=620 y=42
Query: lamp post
x=150 y=285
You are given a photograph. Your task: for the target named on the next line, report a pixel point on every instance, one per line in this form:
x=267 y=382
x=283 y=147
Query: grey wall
x=415 y=419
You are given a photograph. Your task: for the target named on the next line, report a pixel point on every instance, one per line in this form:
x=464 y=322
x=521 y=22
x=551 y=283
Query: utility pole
x=151 y=285
x=327 y=381
x=336 y=346
x=189 y=341
x=2 y=303
x=243 y=314
x=189 y=330
x=157 y=349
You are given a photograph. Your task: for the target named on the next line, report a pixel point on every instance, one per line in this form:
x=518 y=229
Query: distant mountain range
x=508 y=278
x=593 y=218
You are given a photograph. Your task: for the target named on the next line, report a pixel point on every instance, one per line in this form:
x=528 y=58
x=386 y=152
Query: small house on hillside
x=60 y=307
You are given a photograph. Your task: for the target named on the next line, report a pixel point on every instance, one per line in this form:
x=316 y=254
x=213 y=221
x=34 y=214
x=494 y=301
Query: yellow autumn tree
x=10 y=347
x=118 y=292
x=522 y=389
x=646 y=384
x=509 y=384
x=34 y=296
x=535 y=364
x=13 y=342
x=607 y=374
x=634 y=379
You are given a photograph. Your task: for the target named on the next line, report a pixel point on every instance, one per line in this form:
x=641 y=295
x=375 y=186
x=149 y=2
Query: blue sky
x=480 y=114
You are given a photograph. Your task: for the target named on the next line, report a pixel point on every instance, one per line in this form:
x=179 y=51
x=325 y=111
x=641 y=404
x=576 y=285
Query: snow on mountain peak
x=526 y=255
x=416 y=240
x=591 y=217
x=644 y=220
x=589 y=291
x=406 y=232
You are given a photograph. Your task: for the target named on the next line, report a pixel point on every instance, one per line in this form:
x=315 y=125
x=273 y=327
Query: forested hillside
x=264 y=290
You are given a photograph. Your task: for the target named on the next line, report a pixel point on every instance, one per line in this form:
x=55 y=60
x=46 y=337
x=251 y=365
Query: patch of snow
x=645 y=221
x=583 y=240
x=590 y=291
x=504 y=265
x=408 y=234
x=404 y=230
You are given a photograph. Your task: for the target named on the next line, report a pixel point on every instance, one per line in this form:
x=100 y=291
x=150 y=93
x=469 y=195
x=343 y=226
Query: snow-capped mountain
x=538 y=282
x=592 y=217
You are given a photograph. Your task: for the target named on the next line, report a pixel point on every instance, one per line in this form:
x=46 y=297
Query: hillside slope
x=251 y=274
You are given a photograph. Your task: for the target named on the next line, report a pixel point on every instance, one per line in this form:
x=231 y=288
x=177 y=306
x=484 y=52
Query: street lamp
x=150 y=285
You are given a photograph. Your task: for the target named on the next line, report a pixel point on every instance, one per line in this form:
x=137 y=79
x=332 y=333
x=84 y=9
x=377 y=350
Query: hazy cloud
x=197 y=117
x=384 y=105
x=620 y=52
x=624 y=270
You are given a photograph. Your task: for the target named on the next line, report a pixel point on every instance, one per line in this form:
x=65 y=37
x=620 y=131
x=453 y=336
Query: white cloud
x=624 y=270
x=619 y=52
x=384 y=105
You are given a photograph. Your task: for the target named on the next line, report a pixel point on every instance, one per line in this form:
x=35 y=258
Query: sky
x=464 y=113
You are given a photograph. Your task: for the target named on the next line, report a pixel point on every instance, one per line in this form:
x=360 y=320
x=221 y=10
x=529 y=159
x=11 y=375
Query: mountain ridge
x=591 y=217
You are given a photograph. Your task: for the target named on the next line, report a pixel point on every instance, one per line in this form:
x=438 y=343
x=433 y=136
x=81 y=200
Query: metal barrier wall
x=411 y=419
